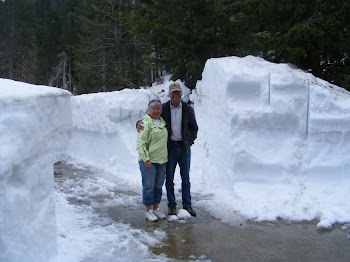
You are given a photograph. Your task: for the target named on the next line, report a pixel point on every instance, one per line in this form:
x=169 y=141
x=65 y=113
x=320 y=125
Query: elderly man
x=182 y=131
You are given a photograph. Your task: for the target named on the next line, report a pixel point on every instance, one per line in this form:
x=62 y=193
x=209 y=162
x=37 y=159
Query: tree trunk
x=64 y=79
x=70 y=88
x=10 y=9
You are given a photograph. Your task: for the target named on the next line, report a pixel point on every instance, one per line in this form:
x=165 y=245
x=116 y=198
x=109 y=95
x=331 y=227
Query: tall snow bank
x=35 y=123
x=104 y=129
x=273 y=142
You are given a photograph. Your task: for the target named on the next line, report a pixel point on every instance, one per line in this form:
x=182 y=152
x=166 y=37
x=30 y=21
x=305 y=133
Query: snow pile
x=104 y=129
x=273 y=142
x=104 y=126
x=35 y=124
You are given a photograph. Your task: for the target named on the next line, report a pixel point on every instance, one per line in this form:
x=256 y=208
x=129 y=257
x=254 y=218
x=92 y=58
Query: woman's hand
x=148 y=164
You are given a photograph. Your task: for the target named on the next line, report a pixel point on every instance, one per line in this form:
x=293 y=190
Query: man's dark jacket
x=188 y=126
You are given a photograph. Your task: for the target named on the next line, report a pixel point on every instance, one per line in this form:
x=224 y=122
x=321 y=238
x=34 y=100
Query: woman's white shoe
x=159 y=214
x=150 y=216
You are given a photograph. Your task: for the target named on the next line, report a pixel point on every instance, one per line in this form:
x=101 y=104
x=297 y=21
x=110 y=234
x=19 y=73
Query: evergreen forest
x=88 y=46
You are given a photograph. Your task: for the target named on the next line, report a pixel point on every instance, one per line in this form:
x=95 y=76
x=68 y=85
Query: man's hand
x=148 y=164
x=139 y=126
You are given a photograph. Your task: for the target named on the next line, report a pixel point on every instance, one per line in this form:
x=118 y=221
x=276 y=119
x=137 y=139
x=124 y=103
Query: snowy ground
x=86 y=235
x=272 y=144
x=111 y=227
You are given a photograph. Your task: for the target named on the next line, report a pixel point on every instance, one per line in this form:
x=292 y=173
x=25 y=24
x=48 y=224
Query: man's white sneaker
x=150 y=216
x=159 y=214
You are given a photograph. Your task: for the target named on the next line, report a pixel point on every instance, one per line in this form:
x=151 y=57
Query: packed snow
x=35 y=126
x=272 y=144
x=273 y=141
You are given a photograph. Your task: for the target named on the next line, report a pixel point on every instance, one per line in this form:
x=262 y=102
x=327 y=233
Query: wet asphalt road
x=206 y=238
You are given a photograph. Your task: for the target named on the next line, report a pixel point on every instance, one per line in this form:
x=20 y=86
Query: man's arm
x=192 y=124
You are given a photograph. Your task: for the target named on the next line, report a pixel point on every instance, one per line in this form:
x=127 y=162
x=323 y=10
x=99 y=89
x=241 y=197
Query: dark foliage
x=104 y=45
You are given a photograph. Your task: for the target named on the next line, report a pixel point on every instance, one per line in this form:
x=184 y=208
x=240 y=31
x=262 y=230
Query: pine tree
x=184 y=34
x=107 y=57
x=68 y=41
x=19 y=38
x=317 y=40
x=49 y=46
x=97 y=45
x=4 y=52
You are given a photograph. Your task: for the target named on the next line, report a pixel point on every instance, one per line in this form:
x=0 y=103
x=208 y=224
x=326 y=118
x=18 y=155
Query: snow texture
x=273 y=142
x=35 y=125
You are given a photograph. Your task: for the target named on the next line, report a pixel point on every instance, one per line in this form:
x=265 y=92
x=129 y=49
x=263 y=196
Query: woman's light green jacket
x=152 y=141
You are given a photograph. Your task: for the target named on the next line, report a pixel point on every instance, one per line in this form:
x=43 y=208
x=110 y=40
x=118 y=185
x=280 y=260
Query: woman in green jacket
x=153 y=155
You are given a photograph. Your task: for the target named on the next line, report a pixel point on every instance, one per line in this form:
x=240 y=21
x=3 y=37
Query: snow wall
x=284 y=140
x=273 y=141
x=104 y=127
x=35 y=125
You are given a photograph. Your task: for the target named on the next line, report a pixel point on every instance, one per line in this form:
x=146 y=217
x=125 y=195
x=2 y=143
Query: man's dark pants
x=177 y=154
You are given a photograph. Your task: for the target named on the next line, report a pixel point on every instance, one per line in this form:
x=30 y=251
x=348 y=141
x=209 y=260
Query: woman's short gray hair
x=154 y=103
